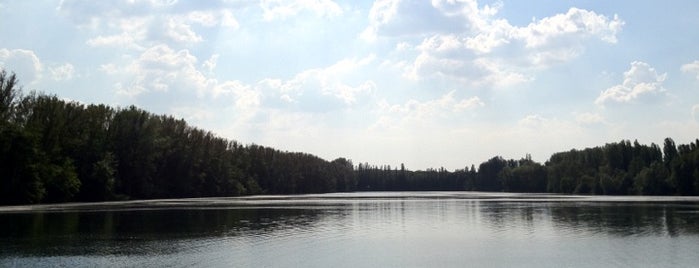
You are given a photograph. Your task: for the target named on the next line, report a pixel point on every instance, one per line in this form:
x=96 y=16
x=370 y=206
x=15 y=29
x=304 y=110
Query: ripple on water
x=366 y=229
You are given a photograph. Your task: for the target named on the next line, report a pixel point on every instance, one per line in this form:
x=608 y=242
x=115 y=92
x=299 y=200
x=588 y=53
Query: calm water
x=428 y=229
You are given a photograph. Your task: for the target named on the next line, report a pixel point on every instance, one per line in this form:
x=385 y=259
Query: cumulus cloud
x=161 y=68
x=210 y=64
x=179 y=27
x=23 y=62
x=319 y=88
x=168 y=74
x=142 y=24
x=485 y=49
x=589 y=118
x=640 y=80
x=533 y=121
x=445 y=57
x=414 y=112
x=396 y=18
x=691 y=68
x=245 y=96
x=228 y=20
x=132 y=32
x=280 y=9
x=179 y=31
x=246 y=100
x=574 y=24
x=62 y=72
x=95 y=15
x=118 y=40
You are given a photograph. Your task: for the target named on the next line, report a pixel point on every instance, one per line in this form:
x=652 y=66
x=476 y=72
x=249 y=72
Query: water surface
x=404 y=229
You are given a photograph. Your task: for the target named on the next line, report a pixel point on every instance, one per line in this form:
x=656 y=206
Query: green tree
x=20 y=177
x=652 y=180
x=9 y=93
x=487 y=178
x=669 y=152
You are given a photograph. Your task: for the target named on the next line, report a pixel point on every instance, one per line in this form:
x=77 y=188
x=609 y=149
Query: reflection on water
x=129 y=232
x=610 y=219
x=350 y=230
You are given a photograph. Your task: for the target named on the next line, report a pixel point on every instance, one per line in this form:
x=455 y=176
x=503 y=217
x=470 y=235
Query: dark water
x=429 y=229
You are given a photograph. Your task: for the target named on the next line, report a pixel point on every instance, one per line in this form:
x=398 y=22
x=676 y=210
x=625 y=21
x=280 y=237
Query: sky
x=441 y=83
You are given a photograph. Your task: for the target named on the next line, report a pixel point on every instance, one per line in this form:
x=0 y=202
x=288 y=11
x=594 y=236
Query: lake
x=369 y=229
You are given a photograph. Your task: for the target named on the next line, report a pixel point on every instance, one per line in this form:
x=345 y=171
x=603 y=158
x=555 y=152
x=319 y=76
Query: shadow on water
x=629 y=219
x=608 y=218
x=136 y=232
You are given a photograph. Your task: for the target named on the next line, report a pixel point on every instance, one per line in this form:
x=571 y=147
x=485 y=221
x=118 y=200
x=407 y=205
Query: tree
x=528 y=177
x=8 y=95
x=487 y=178
x=20 y=177
x=652 y=180
x=669 y=152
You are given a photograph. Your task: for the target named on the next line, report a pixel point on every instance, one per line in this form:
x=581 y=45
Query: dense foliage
x=53 y=150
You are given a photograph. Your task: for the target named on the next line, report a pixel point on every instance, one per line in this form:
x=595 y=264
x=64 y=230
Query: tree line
x=52 y=150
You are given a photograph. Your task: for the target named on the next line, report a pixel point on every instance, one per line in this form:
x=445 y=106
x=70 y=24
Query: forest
x=53 y=151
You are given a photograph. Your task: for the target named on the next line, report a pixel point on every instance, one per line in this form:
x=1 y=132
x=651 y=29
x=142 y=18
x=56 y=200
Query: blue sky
x=426 y=83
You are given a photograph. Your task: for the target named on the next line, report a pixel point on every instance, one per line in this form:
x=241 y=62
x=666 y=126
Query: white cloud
x=381 y=12
x=245 y=95
x=498 y=74
x=207 y=19
x=167 y=55
x=306 y=87
x=179 y=27
x=442 y=57
x=94 y=15
x=62 y=72
x=396 y=18
x=640 y=80
x=589 y=118
x=246 y=100
x=281 y=9
x=695 y=112
x=142 y=24
x=485 y=50
x=133 y=32
x=193 y=113
x=490 y=38
x=414 y=112
x=228 y=20
x=691 y=68
x=109 y=68
x=180 y=31
x=483 y=30
x=574 y=24
x=118 y=40
x=210 y=64
x=562 y=37
x=161 y=68
x=478 y=19
x=533 y=121
x=22 y=62
x=470 y=103
x=183 y=86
